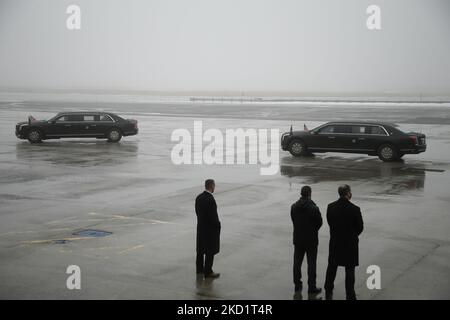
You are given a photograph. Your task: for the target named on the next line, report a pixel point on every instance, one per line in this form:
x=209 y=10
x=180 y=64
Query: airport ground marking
x=131 y=249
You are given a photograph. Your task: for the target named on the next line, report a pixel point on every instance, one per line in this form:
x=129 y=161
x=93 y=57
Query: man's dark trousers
x=205 y=263
x=311 y=257
x=349 y=280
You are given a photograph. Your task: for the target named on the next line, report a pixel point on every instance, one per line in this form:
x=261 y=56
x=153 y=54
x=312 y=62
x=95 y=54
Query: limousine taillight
x=414 y=140
x=418 y=139
x=134 y=122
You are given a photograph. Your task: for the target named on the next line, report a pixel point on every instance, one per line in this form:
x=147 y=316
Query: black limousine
x=372 y=138
x=100 y=125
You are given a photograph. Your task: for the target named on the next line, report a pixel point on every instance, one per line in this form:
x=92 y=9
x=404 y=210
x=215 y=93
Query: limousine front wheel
x=387 y=152
x=114 y=135
x=297 y=148
x=34 y=136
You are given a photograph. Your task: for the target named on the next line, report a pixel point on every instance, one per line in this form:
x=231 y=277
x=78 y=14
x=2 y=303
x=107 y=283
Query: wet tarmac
x=57 y=196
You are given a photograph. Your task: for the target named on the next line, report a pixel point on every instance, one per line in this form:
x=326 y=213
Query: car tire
x=34 y=136
x=387 y=153
x=297 y=148
x=114 y=135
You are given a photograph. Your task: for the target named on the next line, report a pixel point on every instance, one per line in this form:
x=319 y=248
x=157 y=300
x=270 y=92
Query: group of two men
x=344 y=219
x=346 y=224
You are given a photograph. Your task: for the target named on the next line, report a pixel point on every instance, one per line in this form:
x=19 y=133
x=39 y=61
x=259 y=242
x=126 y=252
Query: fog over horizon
x=264 y=46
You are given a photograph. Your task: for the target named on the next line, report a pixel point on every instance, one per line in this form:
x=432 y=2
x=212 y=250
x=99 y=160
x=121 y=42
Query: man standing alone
x=208 y=230
x=307 y=221
x=346 y=224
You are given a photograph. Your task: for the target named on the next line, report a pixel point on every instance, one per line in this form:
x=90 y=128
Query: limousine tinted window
x=62 y=119
x=327 y=129
x=377 y=130
x=360 y=129
x=343 y=129
x=105 y=118
x=368 y=130
x=86 y=118
x=336 y=129
x=70 y=118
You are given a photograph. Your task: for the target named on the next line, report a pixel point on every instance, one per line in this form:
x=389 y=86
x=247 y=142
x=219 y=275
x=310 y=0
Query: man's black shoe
x=328 y=295
x=212 y=275
x=314 y=290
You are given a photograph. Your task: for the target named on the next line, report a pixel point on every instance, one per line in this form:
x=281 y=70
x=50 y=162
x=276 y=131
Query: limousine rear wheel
x=114 y=135
x=34 y=136
x=297 y=148
x=387 y=153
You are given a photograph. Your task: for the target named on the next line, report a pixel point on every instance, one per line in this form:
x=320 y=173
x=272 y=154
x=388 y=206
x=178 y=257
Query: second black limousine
x=372 y=138
x=100 y=125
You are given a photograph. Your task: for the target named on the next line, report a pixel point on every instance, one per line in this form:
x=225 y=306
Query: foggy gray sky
x=320 y=46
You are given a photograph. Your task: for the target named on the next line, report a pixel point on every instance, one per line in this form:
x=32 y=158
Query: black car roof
x=376 y=123
x=86 y=112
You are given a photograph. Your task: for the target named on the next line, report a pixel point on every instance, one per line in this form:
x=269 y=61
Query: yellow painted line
x=102 y=248
x=131 y=225
x=57 y=239
x=131 y=249
x=33 y=231
x=136 y=218
x=61 y=220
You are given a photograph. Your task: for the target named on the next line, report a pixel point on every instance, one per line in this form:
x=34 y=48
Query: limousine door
x=365 y=137
x=329 y=138
x=98 y=125
x=65 y=126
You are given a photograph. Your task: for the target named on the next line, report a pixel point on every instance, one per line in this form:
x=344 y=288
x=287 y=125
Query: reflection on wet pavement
x=299 y=296
x=82 y=153
x=396 y=177
x=205 y=287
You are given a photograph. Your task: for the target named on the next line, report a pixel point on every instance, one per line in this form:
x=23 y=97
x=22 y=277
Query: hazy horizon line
x=228 y=93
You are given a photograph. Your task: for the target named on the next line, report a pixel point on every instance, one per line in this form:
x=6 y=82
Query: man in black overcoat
x=307 y=221
x=346 y=224
x=208 y=230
